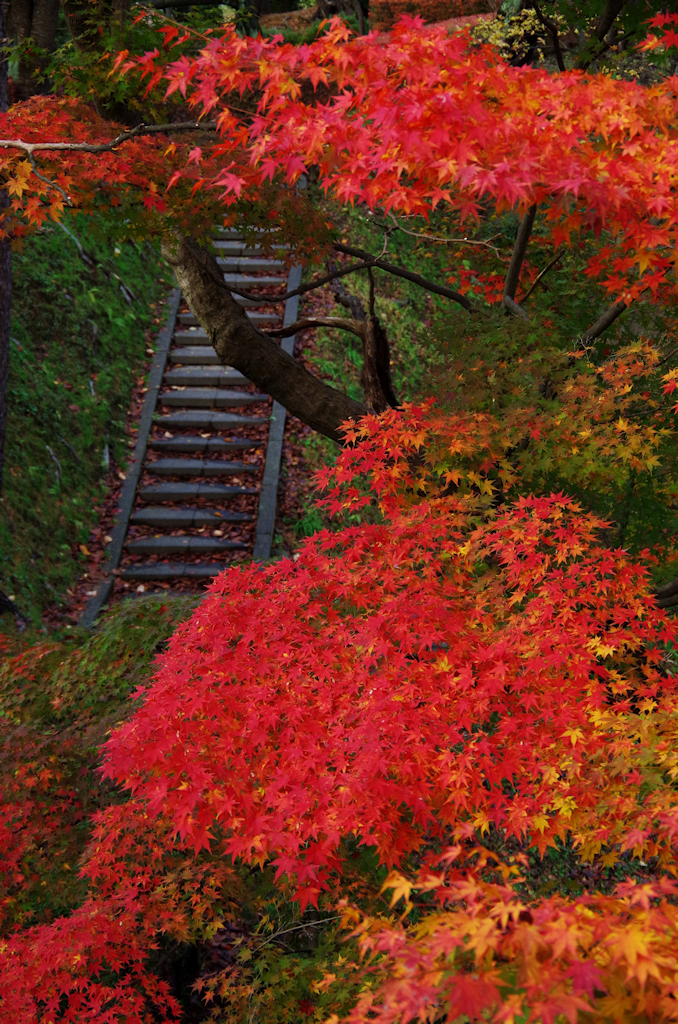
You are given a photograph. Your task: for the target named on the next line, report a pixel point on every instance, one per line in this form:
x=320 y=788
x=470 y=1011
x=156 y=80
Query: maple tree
x=415 y=683
x=479 y=661
x=408 y=165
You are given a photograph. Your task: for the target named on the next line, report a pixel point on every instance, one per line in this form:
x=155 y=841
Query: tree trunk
x=5 y=263
x=606 y=20
x=35 y=20
x=240 y=344
x=376 y=373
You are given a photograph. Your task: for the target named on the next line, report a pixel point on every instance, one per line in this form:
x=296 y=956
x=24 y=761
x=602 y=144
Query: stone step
x=255 y=315
x=246 y=283
x=280 y=282
x=206 y=419
x=195 y=337
x=173 y=570
x=205 y=376
x=237 y=233
x=201 y=355
x=185 y=518
x=236 y=247
x=208 y=398
x=197 y=467
x=181 y=545
x=248 y=265
x=195 y=443
x=190 y=492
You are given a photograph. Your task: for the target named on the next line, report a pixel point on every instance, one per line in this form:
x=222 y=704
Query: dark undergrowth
x=82 y=305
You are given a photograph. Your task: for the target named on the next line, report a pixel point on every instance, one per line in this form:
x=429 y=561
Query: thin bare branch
x=52 y=184
x=667 y=357
x=552 y=28
x=439 y=238
x=317 y=282
x=170 y=21
x=558 y=255
x=356 y=327
x=390 y=268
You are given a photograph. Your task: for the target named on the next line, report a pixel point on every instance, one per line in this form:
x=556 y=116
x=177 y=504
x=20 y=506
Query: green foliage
x=58 y=699
x=78 y=336
x=76 y=680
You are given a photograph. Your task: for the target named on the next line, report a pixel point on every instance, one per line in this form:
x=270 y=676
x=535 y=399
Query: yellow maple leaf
x=400 y=887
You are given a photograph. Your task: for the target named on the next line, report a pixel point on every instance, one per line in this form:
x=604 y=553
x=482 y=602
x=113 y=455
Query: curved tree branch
x=240 y=344
x=356 y=327
x=552 y=28
x=390 y=268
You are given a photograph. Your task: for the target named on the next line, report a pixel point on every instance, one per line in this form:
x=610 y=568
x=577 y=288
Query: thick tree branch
x=667 y=596
x=107 y=147
x=514 y=308
x=347 y=300
x=603 y=322
x=390 y=268
x=518 y=255
x=240 y=344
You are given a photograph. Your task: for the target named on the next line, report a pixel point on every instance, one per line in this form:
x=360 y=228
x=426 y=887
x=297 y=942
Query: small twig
x=296 y=928
x=70 y=447
x=537 y=279
x=179 y=24
x=52 y=184
x=85 y=256
x=57 y=472
x=666 y=358
x=429 y=286
x=603 y=47
x=439 y=238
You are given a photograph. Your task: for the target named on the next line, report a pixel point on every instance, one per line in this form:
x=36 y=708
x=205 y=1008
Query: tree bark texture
x=376 y=373
x=35 y=20
x=606 y=20
x=240 y=344
x=5 y=262
x=519 y=250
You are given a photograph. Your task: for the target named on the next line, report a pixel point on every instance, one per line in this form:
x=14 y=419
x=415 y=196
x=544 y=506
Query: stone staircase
x=202 y=483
